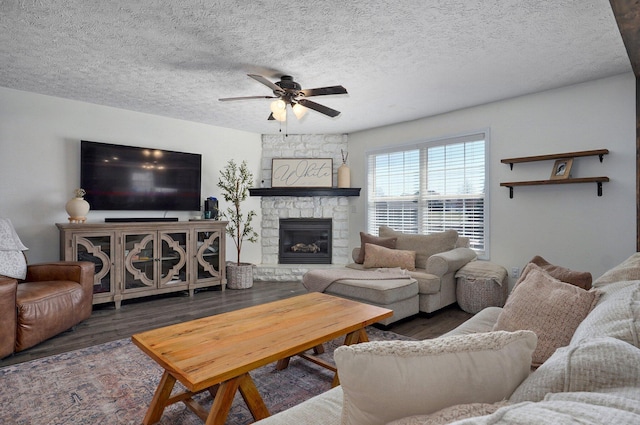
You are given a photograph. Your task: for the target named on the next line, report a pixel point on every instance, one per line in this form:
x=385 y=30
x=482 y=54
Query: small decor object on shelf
x=562 y=169
x=344 y=173
x=234 y=182
x=77 y=207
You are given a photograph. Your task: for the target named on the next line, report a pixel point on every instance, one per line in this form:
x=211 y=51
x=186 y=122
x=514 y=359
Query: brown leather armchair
x=51 y=299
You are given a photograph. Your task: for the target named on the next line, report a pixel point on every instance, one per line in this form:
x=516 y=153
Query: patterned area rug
x=114 y=383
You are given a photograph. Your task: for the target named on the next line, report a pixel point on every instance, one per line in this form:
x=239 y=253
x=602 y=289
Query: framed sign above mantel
x=301 y=172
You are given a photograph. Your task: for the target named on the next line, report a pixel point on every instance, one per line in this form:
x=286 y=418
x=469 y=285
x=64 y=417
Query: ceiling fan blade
x=319 y=108
x=263 y=80
x=323 y=91
x=225 y=99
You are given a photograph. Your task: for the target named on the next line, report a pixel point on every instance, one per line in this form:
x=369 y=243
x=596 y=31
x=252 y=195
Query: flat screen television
x=118 y=177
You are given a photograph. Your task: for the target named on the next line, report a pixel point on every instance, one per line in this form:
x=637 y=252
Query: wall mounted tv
x=118 y=177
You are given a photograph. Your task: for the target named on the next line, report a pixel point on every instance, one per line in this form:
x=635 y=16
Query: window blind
x=430 y=187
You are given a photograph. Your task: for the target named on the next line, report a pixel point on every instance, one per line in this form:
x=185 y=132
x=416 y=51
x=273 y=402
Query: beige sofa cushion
x=599 y=364
x=376 y=256
x=579 y=279
x=388 y=380
x=629 y=269
x=366 y=238
x=550 y=308
x=617 y=314
x=423 y=245
x=452 y=413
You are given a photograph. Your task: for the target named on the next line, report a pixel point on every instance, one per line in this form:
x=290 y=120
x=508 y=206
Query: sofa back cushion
x=598 y=364
x=629 y=269
x=617 y=314
x=423 y=245
x=387 y=380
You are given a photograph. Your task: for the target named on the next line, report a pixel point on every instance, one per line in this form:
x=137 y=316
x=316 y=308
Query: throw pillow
x=12 y=261
x=597 y=365
x=550 y=308
x=366 y=238
x=579 y=279
x=423 y=245
x=376 y=256
x=9 y=240
x=384 y=381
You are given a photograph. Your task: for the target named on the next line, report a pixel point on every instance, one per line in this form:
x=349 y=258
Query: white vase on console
x=77 y=207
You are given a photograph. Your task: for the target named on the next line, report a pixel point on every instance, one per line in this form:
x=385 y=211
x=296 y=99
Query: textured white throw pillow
x=384 y=381
x=12 y=261
x=9 y=240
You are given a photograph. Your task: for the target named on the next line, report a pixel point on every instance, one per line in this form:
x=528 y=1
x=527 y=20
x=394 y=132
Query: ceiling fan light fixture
x=280 y=115
x=299 y=110
x=278 y=106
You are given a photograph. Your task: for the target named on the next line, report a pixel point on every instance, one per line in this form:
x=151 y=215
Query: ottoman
x=399 y=295
x=481 y=284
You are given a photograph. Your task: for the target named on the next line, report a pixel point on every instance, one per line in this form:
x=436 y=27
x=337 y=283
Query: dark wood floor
x=108 y=324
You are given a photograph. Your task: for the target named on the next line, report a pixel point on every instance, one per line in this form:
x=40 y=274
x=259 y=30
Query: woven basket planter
x=239 y=276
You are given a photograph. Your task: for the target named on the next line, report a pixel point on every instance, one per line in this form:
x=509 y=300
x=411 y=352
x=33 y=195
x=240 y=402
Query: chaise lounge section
x=421 y=271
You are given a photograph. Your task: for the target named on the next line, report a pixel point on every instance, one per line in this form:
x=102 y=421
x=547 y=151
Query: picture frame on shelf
x=562 y=169
x=301 y=172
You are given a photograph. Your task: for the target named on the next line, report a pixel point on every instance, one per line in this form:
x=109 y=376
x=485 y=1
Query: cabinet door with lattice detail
x=97 y=248
x=173 y=258
x=208 y=254
x=139 y=261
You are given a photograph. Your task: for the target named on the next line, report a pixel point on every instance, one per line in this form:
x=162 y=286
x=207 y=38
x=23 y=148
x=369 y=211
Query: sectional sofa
x=554 y=354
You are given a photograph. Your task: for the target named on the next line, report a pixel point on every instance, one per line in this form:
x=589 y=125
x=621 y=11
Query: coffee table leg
x=222 y=402
x=160 y=397
x=252 y=397
x=224 y=398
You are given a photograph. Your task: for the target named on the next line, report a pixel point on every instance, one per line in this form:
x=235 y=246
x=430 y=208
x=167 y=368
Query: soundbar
x=139 y=219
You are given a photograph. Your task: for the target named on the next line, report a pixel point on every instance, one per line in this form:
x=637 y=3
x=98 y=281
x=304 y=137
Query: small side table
x=481 y=284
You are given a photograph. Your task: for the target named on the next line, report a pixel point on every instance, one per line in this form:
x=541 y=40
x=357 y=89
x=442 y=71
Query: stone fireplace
x=277 y=208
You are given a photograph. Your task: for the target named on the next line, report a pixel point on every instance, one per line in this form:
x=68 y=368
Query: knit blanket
x=318 y=280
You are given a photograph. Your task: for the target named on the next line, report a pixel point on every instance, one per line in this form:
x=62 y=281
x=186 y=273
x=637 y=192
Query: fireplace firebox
x=305 y=241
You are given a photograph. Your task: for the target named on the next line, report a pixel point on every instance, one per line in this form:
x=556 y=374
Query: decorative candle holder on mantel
x=344 y=173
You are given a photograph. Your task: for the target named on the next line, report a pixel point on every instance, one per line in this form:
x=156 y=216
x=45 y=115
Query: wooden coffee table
x=216 y=353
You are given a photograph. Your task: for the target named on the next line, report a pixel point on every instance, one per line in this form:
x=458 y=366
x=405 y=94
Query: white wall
x=40 y=161
x=567 y=224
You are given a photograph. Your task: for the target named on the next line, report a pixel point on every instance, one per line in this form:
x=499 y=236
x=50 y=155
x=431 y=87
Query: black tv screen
x=118 y=177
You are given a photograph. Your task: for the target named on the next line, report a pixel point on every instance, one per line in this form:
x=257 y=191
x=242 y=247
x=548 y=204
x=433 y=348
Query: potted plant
x=235 y=182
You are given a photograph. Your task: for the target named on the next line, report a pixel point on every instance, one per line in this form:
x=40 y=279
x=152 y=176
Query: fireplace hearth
x=305 y=241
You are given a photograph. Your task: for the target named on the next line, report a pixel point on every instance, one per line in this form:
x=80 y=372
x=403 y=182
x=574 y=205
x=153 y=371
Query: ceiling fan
x=288 y=92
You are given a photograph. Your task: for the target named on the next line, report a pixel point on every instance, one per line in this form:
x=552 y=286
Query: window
x=430 y=187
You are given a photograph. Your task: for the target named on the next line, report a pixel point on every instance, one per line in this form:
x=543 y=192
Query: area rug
x=114 y=382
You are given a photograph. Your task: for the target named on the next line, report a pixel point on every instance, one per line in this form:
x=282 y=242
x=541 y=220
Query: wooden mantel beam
x=627 y=14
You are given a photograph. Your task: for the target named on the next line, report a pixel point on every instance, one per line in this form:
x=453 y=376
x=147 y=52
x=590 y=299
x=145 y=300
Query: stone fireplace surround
x=275 y=207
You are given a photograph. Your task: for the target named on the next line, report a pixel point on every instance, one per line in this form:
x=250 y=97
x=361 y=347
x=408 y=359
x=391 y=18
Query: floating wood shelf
x=597 y=152
x=567 y=155
x=597 y=180
x=305 y=191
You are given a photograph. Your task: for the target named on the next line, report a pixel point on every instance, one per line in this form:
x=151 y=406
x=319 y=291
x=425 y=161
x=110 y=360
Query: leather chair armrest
x=8 y=290
x=449 y=261
x=74 y=271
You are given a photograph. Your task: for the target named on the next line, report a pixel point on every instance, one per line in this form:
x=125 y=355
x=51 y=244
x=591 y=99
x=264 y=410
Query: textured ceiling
x=399 y=60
